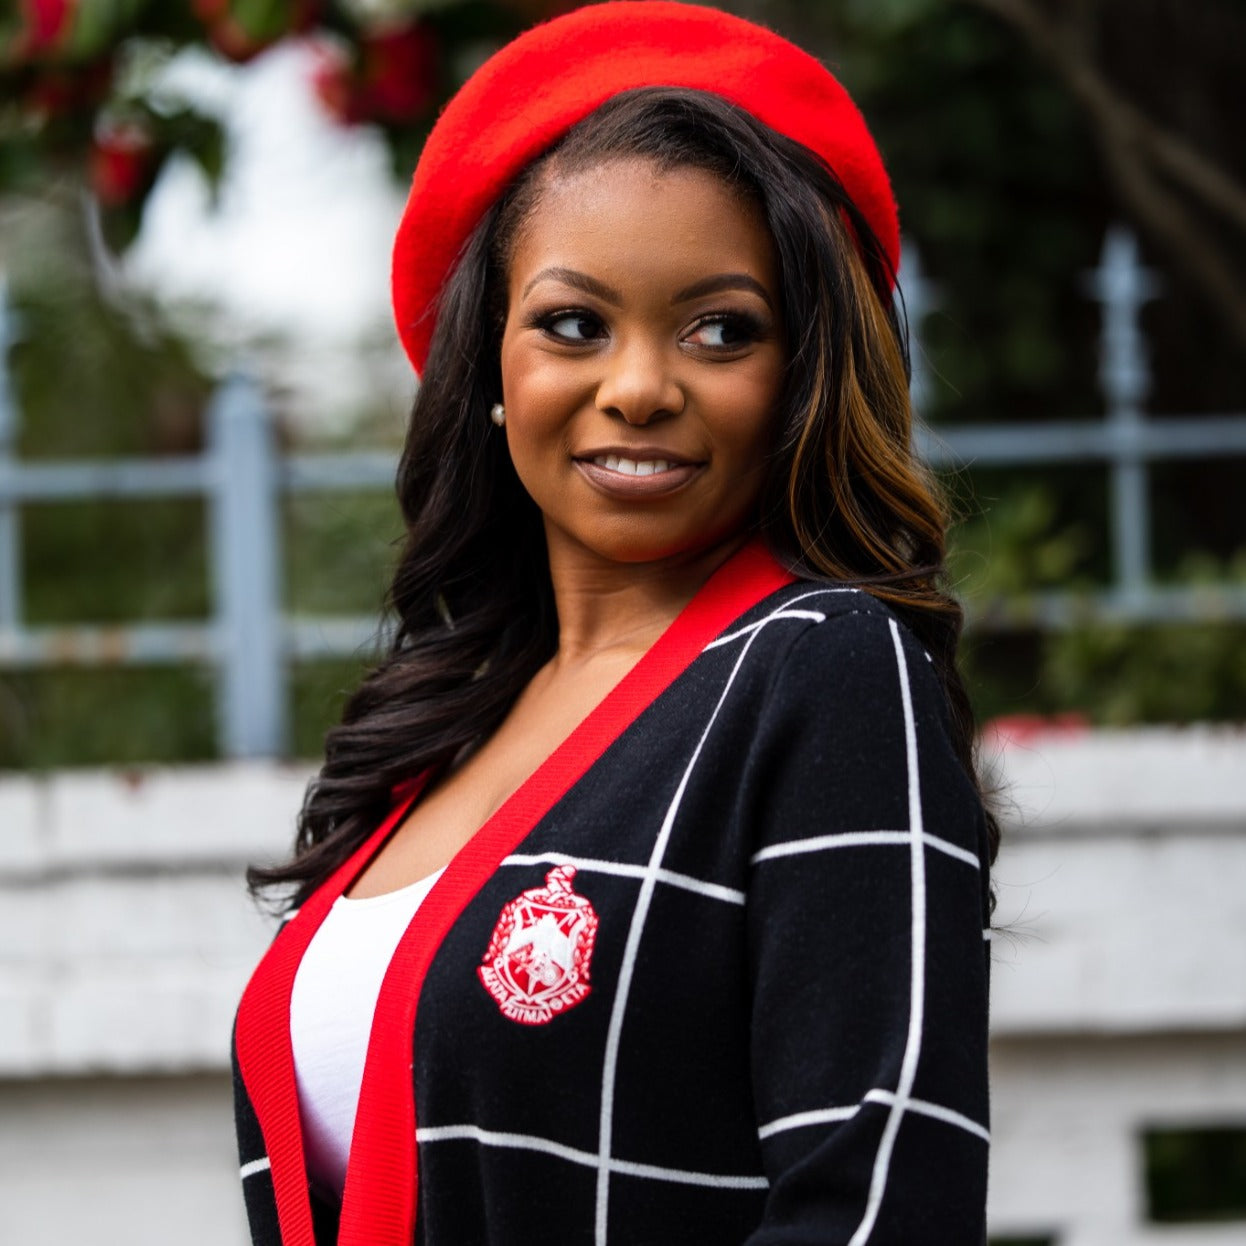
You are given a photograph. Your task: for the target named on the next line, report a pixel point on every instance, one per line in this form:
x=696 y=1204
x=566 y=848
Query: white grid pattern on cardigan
x=900 y=1100
x=590 y=1159
x=917 y=959
x=639 y=915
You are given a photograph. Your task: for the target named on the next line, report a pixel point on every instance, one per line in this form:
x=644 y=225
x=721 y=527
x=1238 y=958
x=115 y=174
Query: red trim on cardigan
x=262 y=1034
x=380 y=1199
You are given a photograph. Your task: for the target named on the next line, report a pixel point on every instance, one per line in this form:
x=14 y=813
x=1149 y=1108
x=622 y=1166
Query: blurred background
x=201 y=403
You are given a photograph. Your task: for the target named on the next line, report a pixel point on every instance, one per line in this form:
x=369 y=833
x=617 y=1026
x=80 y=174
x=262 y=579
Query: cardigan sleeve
x=867 y=909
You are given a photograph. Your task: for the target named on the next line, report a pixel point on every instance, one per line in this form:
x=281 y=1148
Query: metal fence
x=250 y=641
x=1124 y=439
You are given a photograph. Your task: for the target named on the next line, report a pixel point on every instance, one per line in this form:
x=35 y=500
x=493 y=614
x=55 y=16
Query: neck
x=620 y=609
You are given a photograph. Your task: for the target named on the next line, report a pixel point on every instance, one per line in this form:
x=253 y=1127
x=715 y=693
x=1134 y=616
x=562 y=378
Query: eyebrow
x=724 y=281
x=599 y=289
x=581 y=281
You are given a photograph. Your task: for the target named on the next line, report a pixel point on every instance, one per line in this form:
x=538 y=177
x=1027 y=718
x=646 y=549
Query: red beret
x=528 y=94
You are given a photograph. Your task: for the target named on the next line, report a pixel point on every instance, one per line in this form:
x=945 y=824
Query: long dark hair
x=845 y=498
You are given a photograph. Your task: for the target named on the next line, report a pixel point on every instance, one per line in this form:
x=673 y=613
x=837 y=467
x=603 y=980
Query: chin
x=631 y=545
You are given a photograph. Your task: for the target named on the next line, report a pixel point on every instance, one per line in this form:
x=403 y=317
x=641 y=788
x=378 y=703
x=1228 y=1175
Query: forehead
x=642 y=221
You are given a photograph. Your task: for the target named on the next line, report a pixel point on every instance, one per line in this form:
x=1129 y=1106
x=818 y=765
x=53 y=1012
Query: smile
x=621 y=477
x=632 y=467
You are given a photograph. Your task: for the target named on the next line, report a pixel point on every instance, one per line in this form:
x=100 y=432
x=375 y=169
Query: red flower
x=398 y=78
x=395 y=77
x=44 y=26
x=122 y=160
x=232 y=41
x=240 y=30
x=57 y=91
x=332 y=83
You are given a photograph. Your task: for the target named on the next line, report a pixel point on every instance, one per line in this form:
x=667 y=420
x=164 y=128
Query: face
x=641 y=360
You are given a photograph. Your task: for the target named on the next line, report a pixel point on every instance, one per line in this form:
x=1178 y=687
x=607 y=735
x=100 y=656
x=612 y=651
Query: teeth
x=632 y=467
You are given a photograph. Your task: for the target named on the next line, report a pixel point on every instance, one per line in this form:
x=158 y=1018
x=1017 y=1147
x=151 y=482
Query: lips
x=640 y=471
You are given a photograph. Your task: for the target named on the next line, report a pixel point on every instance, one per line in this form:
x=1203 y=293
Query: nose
x=639 y=383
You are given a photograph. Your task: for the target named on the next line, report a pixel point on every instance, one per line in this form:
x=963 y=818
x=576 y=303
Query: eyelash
x=744 y=323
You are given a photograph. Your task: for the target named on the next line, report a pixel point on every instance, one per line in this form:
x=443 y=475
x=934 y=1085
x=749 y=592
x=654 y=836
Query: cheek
x=536 y=401
x=748 y=418
x=535 y=383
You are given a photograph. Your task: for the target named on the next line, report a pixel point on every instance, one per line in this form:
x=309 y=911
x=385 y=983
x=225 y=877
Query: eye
x=725 y=332
x=570 y=326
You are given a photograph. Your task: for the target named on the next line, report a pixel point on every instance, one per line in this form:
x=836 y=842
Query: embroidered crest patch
x=537 y=962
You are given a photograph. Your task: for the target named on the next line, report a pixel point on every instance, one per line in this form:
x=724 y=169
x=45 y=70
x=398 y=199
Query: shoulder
x=855 y=723
x=847 y=684
x=815 y=636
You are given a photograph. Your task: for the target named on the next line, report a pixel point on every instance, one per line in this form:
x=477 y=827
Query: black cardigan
x=716 y=973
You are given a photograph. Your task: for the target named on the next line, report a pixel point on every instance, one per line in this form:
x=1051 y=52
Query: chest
x=449 y=815
x=588 y=963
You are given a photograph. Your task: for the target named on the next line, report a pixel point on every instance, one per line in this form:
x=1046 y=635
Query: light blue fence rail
x=250 y=641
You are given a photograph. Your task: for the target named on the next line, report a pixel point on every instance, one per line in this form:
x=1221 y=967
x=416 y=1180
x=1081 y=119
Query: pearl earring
x=497 y=413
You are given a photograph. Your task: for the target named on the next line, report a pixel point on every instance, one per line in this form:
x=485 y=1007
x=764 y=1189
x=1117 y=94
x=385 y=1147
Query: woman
x=641 y=896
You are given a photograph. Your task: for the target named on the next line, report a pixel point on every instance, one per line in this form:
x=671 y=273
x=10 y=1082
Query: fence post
x=10 y=516
x=246 y=565
x=1121 y=286
x=921 y=297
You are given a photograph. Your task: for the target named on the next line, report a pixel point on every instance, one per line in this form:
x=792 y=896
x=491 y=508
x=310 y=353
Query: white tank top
x=331 y=1006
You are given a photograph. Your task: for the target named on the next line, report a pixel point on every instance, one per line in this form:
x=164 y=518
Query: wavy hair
x=845 y=498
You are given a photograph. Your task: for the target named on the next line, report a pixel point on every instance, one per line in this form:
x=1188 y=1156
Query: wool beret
x=530 y=92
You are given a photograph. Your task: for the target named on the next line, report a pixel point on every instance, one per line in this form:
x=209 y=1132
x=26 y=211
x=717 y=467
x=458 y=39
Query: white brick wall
x=1122 y=885
x=135 y=1161
x=1119 y=983
x=126 y=935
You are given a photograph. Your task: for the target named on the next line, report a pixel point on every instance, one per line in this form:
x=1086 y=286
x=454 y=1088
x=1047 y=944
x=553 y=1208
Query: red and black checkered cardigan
x=716 y=973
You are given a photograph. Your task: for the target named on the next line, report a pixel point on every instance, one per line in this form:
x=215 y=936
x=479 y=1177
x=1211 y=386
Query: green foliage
x=115 y=562
x=1116 y=674
x=1018 y=546
x=340 y=549
x=142 y=715
x=97 y=23
x=105 y=716
x=1172 y=672
x=318 y=693
x=92 y=373
x=1195 y=1175
x=999 y=187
